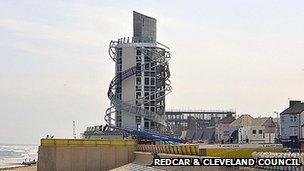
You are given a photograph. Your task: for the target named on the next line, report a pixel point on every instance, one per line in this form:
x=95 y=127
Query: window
x=152 y=81
x=260 y=132
x=138 y=52
x=138 y=58
x=152 y=66
x=146 y=95
x=138 y=80
x=138 y=88
x=138 y=66
x=147 y=59
x=253 y=131
x=146 y=81
x=138 y=73
x=119 y=60
x=152 y=88
x=138 y=94
x=146 y=124
x=146 y=73
x=147 y=66
x=293 y=131
x=138 y=118
x=293 y=118
x=118 y=119
x=152 y=103
x=146 y=88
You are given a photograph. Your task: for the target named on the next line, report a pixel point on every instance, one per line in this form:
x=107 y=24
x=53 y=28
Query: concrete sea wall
x=84 y=155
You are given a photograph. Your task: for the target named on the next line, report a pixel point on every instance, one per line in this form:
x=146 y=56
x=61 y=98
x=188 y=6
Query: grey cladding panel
x=144 y=27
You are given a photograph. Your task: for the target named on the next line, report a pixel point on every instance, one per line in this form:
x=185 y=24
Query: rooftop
x=260 y=121
x=294 y=108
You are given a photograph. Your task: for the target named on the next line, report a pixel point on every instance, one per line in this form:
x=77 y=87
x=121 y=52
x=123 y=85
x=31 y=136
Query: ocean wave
x=15 y=155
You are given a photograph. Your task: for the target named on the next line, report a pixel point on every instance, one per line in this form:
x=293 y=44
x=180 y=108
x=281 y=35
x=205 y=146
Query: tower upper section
x=144 y=27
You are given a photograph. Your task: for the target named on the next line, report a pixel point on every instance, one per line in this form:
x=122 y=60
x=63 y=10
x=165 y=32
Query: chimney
x=293 y=102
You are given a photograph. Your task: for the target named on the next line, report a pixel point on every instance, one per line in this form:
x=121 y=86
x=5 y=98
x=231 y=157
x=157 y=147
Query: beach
x=21 y=168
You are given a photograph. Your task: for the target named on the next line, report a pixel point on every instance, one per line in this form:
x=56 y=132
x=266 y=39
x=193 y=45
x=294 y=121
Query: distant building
x=247 y=129
x=197 y=125
x=292 y=120
x=179 y=120
x=261 y=130
x=225 y=133
x=243 y=120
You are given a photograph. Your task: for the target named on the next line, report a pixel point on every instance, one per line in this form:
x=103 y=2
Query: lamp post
x=278 y=126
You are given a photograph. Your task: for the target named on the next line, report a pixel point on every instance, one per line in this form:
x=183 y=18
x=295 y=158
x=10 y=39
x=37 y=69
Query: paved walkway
x=135 y=167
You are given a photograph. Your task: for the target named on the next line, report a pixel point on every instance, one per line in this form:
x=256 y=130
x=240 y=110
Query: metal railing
x=158 y=55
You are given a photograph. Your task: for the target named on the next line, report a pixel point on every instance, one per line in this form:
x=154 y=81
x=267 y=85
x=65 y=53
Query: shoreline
x=20 y=168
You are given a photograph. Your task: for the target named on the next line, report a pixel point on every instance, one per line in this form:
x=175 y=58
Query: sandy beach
x=22 y=168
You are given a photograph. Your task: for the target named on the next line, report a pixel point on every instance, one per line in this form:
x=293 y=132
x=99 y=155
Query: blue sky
x=55 y=68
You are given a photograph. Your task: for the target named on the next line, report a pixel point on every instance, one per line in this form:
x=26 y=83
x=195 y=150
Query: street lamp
x=278 y=126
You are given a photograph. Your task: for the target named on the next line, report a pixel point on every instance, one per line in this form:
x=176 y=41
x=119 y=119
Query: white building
x=261 y=130
x=224 y=133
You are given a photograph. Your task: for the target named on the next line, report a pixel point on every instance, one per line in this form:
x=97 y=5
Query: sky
x=55 y=68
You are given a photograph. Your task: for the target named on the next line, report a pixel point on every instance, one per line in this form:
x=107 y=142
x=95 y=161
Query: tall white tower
x=137 y=92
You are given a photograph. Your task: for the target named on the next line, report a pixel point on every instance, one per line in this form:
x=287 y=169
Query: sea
x=14 y=155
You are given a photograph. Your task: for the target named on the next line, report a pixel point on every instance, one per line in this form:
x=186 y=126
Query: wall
x=290 y=131
x=84 y=155
x=224 y=131
x=247 y=132
x=287 y=126
x=128 y=86
x=302 y=123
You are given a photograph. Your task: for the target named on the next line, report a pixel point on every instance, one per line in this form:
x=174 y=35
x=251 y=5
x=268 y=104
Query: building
x=196 y=124
x=137 y=92
x=260 y=131
x=243 y=121
x=292 y=120
x=225 y=133
x=227 y=130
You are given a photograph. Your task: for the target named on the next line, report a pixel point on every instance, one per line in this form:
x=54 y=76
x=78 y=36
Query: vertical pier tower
x=137 y=92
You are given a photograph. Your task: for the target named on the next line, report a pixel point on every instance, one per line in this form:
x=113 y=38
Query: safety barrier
x=184 y=149
x=300 y=156
x=86 y=143
x=237 y=152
